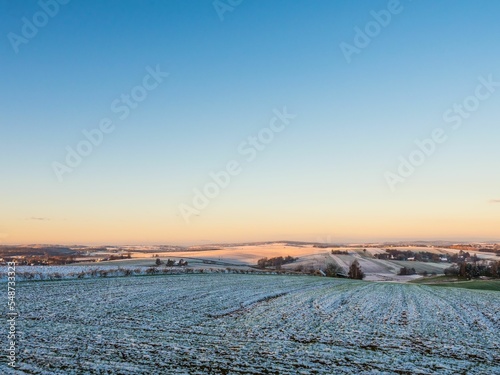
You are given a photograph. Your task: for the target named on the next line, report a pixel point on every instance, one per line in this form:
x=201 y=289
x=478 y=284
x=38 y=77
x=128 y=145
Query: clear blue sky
x=324 y=176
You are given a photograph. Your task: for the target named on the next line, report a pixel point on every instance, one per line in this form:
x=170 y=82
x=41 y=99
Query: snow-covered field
x=118 y=269
x=253 y=324
x=24 y=273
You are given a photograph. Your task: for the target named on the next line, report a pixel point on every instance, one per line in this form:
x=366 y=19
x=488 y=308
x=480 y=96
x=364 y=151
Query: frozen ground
x=251 y=324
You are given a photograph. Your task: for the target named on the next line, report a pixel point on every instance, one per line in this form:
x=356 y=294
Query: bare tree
x=332 y=270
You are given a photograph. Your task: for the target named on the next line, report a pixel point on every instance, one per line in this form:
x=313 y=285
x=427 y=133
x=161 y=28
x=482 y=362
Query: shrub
x=332 y=270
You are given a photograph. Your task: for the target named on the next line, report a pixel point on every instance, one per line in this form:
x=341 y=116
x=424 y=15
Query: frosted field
x=251 y=324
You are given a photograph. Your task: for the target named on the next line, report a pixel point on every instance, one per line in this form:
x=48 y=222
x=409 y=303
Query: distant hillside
x=36 y=250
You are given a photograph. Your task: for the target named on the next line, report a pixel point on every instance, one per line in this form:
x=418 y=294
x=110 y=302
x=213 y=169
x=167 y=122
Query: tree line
x=474 y=270
x=276 y=262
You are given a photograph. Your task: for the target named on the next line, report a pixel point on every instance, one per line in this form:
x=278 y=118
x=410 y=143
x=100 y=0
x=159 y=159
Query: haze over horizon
x=319 y=239
x=260 y=111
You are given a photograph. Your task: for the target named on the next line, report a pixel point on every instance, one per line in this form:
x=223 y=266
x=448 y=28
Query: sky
x=175 y=122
